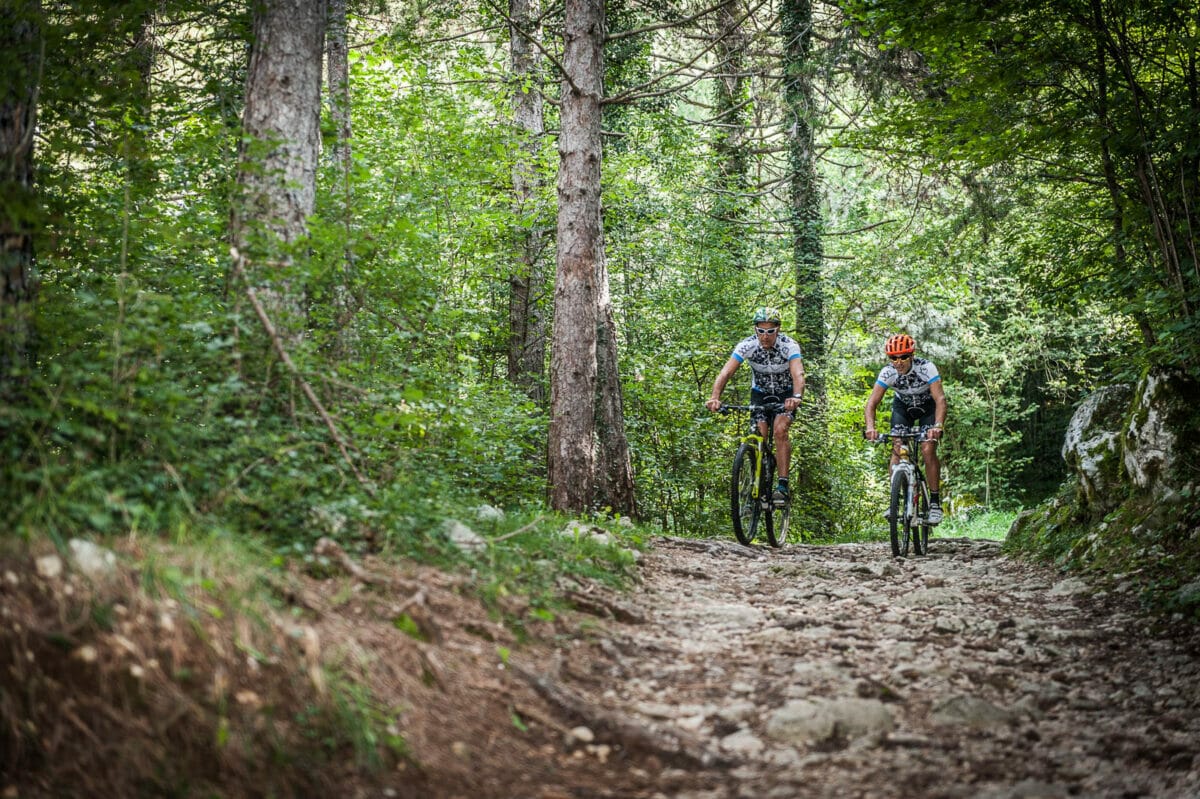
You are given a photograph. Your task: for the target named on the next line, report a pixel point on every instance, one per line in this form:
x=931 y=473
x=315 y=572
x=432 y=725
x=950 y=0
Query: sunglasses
x=766 y=331
x=899 y=357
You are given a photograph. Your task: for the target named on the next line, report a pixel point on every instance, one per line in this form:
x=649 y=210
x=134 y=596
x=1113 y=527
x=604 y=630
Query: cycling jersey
x=769 y=366
x=912 y=387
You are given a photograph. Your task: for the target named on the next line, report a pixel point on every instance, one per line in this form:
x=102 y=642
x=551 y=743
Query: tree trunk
x=807 y=224
x=526 y=313
x=731 y=103
x=21 y=41
x=614 y=470
x=337 y=53
x=572 y=454
x=276 y=182
x=811 y=482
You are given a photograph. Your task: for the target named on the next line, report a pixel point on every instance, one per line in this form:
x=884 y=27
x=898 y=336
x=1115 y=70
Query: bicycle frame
x=751 y=495
x=908 y=511
x=763 y=445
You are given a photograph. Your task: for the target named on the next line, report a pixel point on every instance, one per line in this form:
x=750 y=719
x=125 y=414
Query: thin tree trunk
x=614 y=470
x=21 y=40
x=280 y=145
x=337 y=54
x=572 y=452
x=732 y=159
x=811 y=483
x=807 y=224
x=526 y=312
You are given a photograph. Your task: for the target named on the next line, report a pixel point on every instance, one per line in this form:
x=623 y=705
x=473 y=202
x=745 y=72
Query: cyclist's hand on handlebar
x=871 y=435
x=791 y=403
x=933 y=433
x=712 y=404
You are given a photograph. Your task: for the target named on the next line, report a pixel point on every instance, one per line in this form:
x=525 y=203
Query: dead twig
x=239 y=269
x=517 y=532
x=671 y=744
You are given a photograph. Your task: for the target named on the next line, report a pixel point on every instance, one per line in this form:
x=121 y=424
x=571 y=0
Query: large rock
x=1092 y=447
x=1163 y=433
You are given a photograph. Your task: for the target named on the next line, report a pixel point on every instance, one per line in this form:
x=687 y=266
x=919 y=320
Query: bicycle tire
x=900 y=523
x=921 y=534
x=744 y=506
x=778 y=522
x=776 y=518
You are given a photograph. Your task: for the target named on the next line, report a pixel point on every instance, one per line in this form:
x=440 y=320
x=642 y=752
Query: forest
x=293 y=270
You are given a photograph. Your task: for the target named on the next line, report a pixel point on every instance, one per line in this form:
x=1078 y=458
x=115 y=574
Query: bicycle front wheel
x=921 y=533
x=743 y=499
x=900 y=521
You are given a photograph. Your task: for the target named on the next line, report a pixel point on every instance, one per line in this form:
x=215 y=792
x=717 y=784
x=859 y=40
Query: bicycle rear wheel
x=921 y=533
x=744 y=505
x=900 y=521
x=777 y=518
x=778 y=522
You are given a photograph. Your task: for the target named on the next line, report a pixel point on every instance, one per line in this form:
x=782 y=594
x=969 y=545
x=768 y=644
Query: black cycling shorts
x=758 y=398
x=924 y=414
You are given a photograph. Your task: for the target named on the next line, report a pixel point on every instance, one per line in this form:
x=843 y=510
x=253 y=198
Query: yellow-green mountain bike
x=753 y=480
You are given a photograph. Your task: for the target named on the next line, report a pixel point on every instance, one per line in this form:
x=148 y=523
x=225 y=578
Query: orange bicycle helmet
x=900 y=344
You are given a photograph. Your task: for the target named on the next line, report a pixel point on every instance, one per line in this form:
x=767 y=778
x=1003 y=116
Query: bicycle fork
x=910 y=489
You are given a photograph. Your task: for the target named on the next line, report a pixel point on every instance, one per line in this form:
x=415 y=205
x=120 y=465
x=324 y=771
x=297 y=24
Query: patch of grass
x=992 y=525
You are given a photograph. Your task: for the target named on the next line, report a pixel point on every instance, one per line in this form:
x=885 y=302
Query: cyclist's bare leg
x=933 y=468
x=783 y=445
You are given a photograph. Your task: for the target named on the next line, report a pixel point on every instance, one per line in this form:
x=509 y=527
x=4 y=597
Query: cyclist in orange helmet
x=918 y=399
x=778 y=370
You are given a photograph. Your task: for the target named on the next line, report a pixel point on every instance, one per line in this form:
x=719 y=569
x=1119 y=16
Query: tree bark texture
x=337 y=56
x=527 y=284
x=280 y=146
x=572 y=455
x=806 y=220
x=732 y=162
x=21 y=54
x=614 y=467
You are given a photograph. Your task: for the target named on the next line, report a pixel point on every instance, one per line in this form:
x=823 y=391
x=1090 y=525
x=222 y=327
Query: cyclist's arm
x=796 y=366
x=869 y=412
x=723 y=376
x=939 y=408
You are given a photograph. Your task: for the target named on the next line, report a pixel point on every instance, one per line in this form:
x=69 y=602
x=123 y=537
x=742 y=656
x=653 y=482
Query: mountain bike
x=753 y=482
x=909 y=509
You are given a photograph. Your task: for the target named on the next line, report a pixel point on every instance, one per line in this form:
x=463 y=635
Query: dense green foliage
x=985 y=235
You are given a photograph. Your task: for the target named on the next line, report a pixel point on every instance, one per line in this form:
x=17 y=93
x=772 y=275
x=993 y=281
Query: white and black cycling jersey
x=770 y=365
x=912 y=387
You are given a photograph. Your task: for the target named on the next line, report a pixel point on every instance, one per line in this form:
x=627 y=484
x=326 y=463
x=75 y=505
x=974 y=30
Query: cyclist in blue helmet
x=778 y=377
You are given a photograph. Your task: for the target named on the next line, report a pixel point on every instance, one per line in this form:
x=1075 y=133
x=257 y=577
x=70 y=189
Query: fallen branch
x=517 y=532
x=240 y=270
x=669 y=743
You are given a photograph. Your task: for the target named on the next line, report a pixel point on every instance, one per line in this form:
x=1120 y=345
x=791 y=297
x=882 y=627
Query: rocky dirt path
x=842 y=672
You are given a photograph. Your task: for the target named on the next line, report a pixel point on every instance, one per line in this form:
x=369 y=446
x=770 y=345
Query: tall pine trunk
x=337 y=56
x=572 y=453
x=805 y=197
x=614 y=467
x=276 y=182
x=20 y=77
x=811 y=473
x=526 y=306
x=732 y=163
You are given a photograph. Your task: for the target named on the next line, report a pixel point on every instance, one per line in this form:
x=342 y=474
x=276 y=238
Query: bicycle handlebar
x=918 y=432
x=775 y=407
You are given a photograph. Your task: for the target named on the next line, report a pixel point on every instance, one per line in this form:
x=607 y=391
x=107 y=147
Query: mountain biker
x=919 y=398
x=778 y=377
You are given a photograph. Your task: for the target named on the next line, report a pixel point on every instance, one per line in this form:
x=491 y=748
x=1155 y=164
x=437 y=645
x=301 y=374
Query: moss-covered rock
x=1131 y=507
x=1092 y=448
x=1161 y=443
